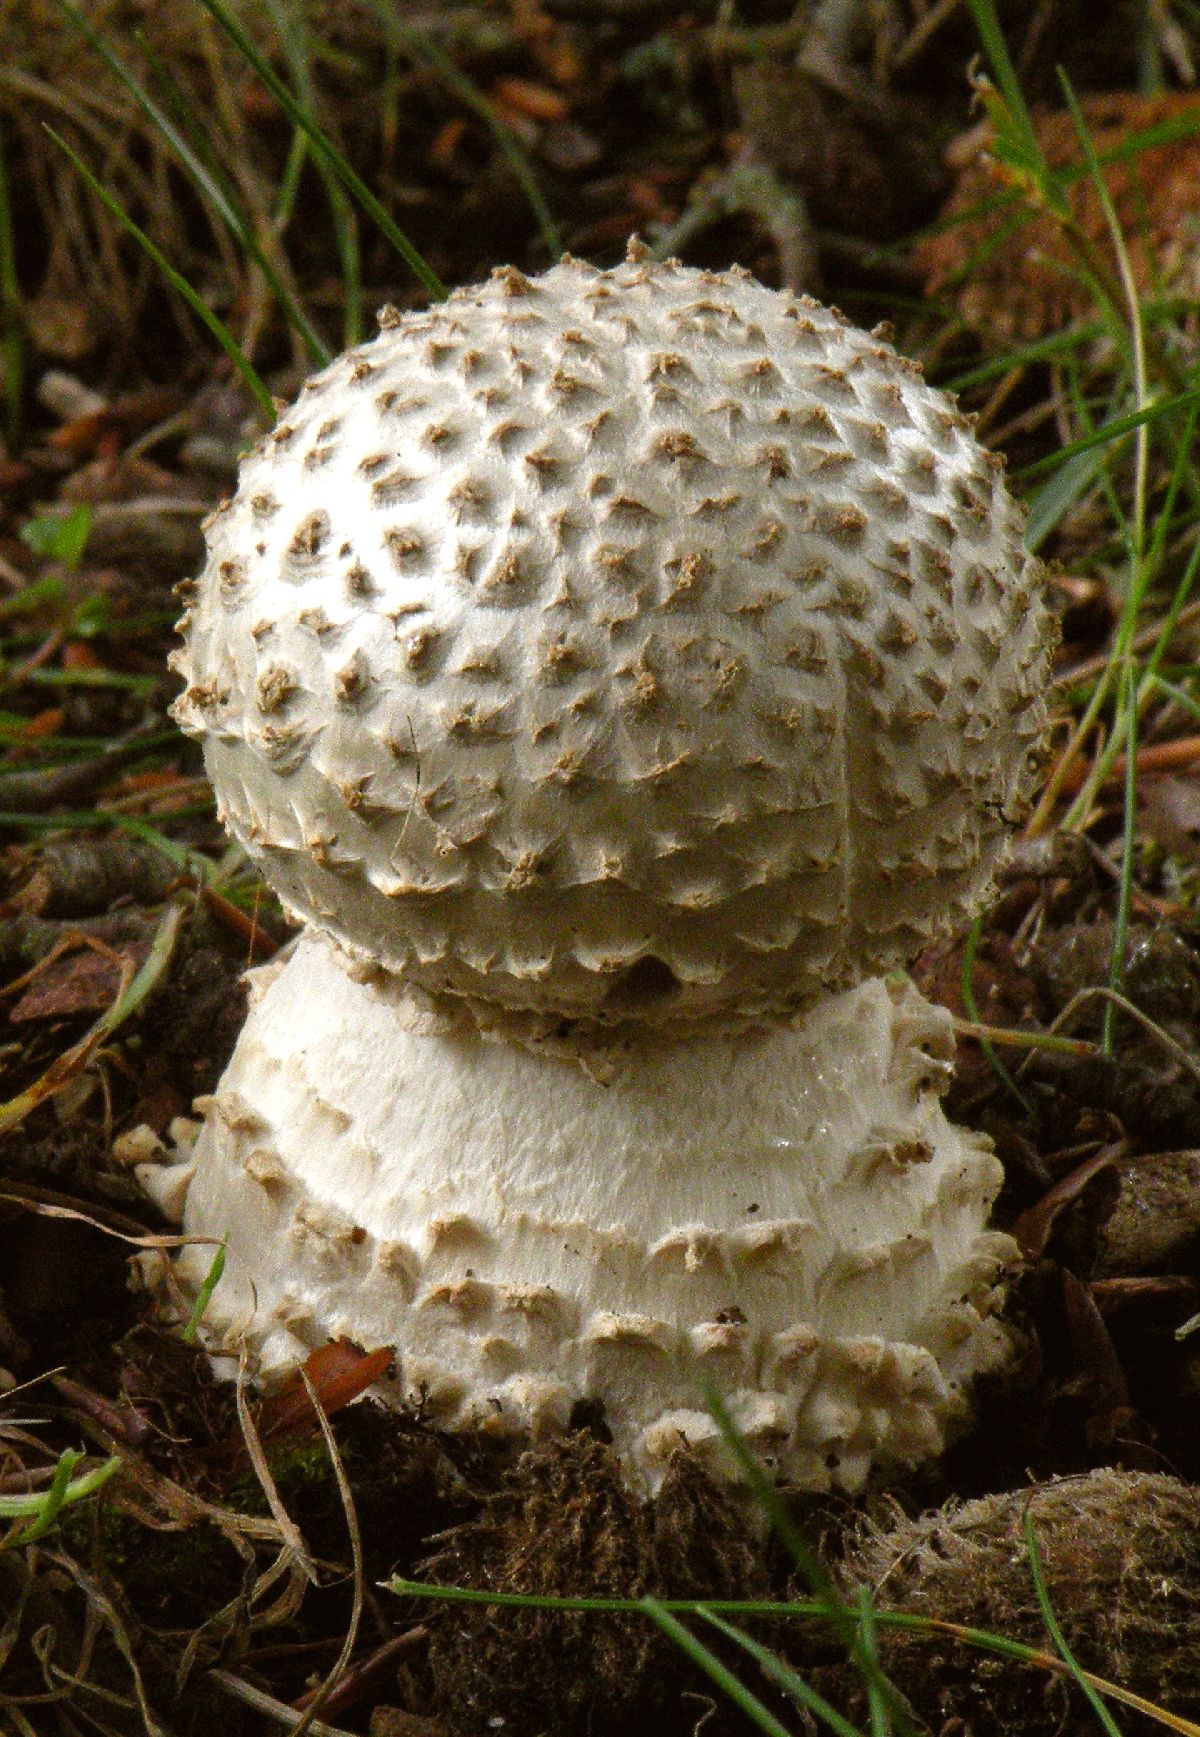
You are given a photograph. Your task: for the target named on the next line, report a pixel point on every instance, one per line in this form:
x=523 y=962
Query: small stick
x=1183 y=751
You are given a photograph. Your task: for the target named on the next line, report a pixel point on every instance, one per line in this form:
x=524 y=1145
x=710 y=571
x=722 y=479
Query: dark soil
x=212 y=1584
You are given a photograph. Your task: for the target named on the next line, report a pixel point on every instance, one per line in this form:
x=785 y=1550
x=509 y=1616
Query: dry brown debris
x=1120 y=1552
x=1011 y=269
x=569 y=1524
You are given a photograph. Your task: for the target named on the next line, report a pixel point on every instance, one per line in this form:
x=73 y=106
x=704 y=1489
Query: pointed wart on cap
x=508 y=1222
x=611 y=668
x=753 y=581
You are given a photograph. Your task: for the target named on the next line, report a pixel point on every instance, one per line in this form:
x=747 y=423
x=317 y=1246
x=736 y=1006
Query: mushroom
x=617 y=673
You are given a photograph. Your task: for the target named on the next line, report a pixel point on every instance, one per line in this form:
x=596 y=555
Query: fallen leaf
x=339 y=1373
x=87 y=981
x=1100 y=1370
x=78 y=654
x=1032 y=1230
x=45 y=723
x=524 y=96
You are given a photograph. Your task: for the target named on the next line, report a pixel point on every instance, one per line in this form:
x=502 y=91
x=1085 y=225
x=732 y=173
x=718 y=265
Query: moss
x=1121 y=1556
x=568 y=1523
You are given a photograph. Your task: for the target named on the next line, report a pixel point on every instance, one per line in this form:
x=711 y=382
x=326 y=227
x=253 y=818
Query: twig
x=264 y=1703
x=364 y=1678
x=36 y=791
x=324 y=1693
x=1099 y=991
x=750 y=188
x=1153 y=757
x=134 y=990
x=1143 y=641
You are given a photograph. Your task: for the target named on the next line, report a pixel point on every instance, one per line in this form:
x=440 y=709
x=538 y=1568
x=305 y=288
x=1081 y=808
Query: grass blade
x=712 y=1666
x=325 y=149
x=63 y=1490
x=1059 y=1638
x=1120 y=941
x=176 y=279
x=208 y=183
x=783 y=1676
x=981 y=1639
x=212 y=1278
x=418 y=46
x=798 y=1548
x=1112 y=430
x=1020 y=128
x=1041 y=350
x=291 y=24
x=880 y=1707
x=1137 y=336
x=1066 y=485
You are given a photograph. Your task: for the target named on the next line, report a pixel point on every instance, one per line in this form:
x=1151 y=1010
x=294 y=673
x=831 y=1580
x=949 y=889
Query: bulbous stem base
x=785 y=1214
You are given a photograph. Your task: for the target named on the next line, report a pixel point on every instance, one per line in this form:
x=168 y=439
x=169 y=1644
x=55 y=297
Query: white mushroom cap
x=786 y=1212
x=632 y=643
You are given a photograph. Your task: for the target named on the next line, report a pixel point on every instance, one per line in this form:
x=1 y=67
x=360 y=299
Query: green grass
x=327 y=152
x=419 y=46
x=1148 y=416
x=1134 y=419
x=43 y=1508
x=812 y=1610
x=177 y=127
x=176 y=279
x=856 y=1625
x=292 y=29
x=190 y=1332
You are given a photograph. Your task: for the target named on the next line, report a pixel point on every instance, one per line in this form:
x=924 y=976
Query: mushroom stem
x=619 y=666
x=784 y=1210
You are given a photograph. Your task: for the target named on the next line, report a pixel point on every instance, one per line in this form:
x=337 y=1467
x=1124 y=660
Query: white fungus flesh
x=621 y=643
x=786 y=1213
x=615 y=672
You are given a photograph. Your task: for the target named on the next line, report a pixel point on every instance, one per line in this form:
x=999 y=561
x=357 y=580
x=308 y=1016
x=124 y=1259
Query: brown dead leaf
x=42 y=724
x=129 y=415
x=525 y=96
x=1017 y=285
x=550 y=42
x=1111 y=1295
x=338 y=1372
x=363 y=1680
x=444 y=148
x=1033 y=1228
x=1100 y=1373
x=87 y=981
x=78 y=654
